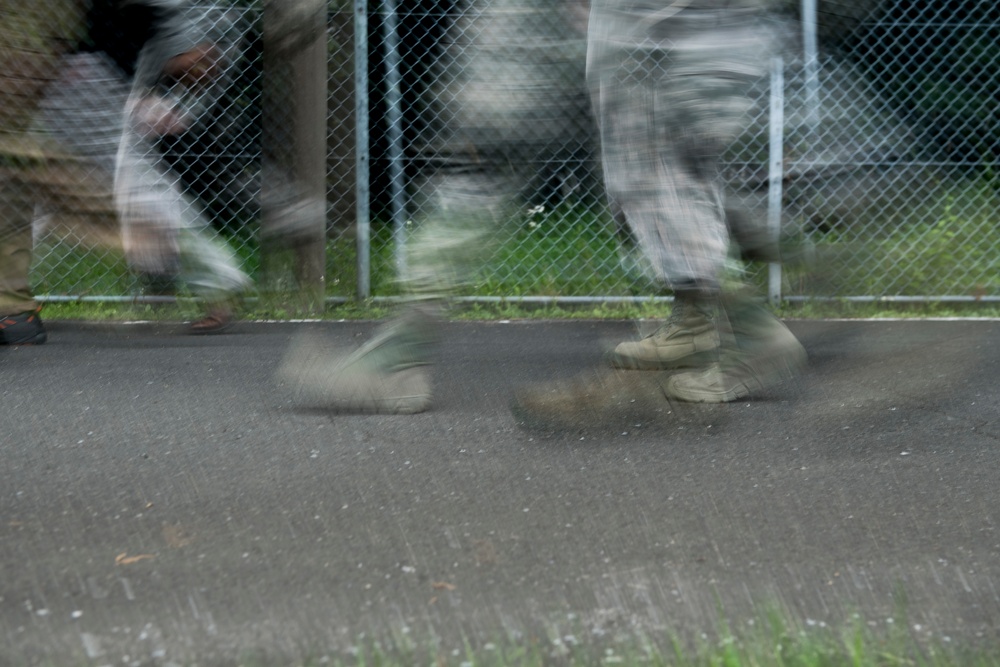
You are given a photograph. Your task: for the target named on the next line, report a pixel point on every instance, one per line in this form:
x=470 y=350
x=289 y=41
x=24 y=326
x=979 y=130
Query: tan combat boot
x=758 y=352
x=688 y=339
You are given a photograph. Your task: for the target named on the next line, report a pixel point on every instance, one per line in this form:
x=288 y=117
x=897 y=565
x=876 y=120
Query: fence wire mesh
x=210 y=155
x=893 y=173
x=890 y=143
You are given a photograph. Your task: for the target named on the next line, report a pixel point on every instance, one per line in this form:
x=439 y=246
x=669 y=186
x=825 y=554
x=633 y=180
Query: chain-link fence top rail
x=889 y=171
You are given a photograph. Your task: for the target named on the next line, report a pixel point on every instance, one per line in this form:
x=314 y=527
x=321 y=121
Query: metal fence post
x=775 y=175
x=394 y=113
x=363 y=184
x=810 y=49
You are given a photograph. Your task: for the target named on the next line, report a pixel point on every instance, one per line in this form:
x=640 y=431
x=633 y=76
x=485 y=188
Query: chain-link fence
x=210 y=154
x=875 y=154
x=892 y=152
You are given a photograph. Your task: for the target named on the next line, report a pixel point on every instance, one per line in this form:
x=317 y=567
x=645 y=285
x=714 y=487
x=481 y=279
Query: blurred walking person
x=508 y=96
x=87 y=99
x=33 y=38
x=670 y=82
x=164 y=51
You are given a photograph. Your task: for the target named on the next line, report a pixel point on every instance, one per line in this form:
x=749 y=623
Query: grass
x=948 y=245
x=771 y=641
x=287 y=309
x=954 y=250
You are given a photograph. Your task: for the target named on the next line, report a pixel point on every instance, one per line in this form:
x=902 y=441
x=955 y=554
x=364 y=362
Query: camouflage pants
x=509 y=101
x=670 y=83
x=15 y=241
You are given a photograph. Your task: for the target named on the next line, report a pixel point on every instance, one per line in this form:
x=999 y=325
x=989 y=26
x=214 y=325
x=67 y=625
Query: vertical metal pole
x=810 y=50
x=394 y=113
x=363 y=185
x=775 y=173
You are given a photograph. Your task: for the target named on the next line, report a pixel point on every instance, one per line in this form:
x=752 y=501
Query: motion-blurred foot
x=390 y=374
x=24 y=328
x=300 y=221
x=217 y=320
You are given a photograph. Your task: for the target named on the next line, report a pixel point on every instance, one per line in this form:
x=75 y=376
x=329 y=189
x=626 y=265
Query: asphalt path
x=163 y=500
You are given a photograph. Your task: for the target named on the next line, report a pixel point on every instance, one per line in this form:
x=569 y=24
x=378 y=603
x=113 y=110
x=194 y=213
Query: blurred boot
x=758 y=352
x=688 y=339
x=22 y=329
x=390 y=374
x=218 y=318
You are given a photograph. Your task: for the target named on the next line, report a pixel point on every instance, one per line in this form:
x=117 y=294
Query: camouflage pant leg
x=165 y=232
x=670 y=89
x=510 y=93
x=80 y=122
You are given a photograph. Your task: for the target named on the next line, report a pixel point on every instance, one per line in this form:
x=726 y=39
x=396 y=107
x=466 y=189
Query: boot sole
x=780 y=366
x=35 y=339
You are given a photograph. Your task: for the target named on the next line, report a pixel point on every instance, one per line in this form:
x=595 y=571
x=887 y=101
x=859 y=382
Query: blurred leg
x=509 y=92
x=30 y=36
x=165 y=233
x=670 y=93
x=15 y=244
x=669 y=85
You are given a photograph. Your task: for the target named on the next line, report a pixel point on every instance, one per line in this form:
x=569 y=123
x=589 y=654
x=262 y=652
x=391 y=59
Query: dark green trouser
x=15 y=243
x=76 y=197
x=32 y=35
